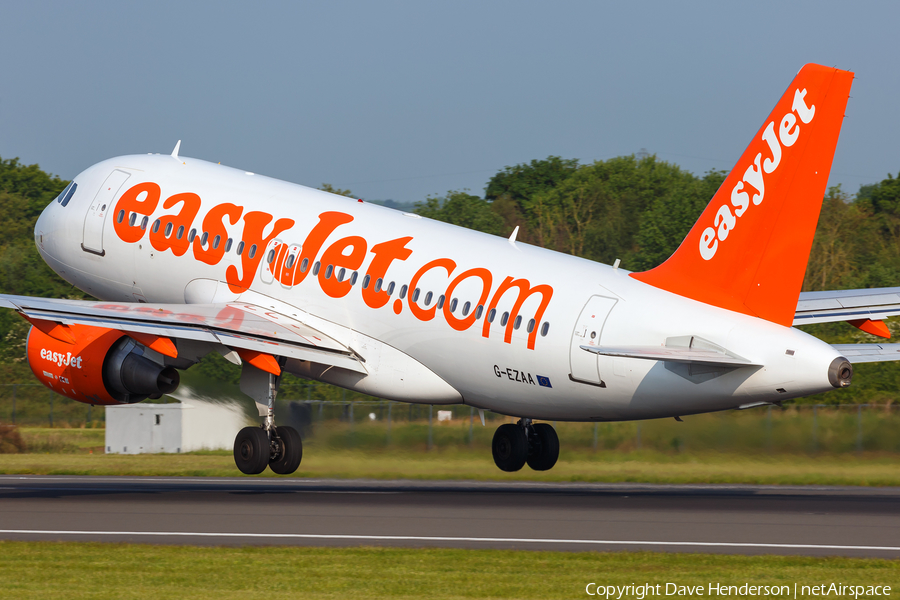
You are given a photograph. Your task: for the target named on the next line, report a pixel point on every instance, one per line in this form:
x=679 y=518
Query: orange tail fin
x=748 y=252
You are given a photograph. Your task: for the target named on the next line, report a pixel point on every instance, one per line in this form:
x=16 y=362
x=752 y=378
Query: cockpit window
x=67 y=194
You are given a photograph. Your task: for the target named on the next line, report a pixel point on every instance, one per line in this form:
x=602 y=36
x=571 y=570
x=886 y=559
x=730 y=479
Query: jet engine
x=97 y=365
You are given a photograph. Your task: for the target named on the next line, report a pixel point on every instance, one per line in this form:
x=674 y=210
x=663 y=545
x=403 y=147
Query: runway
x=534 y=516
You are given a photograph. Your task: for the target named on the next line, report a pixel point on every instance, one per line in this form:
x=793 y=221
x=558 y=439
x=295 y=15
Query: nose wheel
x=515 y=445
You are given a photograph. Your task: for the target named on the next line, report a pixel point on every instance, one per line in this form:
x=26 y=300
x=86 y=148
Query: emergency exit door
x=97 y=212
x=587 y=332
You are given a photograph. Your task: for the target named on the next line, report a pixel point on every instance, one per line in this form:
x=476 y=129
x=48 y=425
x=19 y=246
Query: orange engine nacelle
x=99 y=366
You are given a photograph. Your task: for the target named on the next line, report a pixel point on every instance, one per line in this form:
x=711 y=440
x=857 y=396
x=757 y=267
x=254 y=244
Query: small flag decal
x=544 y=381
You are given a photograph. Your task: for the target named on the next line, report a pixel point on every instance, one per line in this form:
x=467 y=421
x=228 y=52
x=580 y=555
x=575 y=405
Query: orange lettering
x=465 y=323
x=254 y=224
x=337 y=255
x=165 y=236
x=328 y=222
x=426 y=314
x=525 y=290
x=131 y=202
x=385 y=253
x=214 y=225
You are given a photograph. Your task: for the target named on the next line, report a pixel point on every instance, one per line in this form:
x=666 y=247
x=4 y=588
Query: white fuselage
x=414 y=358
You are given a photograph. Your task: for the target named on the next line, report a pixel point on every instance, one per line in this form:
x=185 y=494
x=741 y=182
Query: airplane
x=188 y=258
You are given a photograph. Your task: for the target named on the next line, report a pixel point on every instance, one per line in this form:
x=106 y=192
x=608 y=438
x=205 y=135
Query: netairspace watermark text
x=651 y=590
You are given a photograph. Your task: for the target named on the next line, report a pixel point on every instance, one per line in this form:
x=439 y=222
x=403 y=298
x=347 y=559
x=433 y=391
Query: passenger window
x=440 y=303
x=341 y=274
x=205 y=237
x=304 y=265
x=428 y=297
x=271 y=256
x=530 y=326
x=132 y=220
x=378 y=285
x=240 y=248
x=169 y=228
x=466 y=308
x=403 y=289
x=545 y=329
x=518 y=322
x=228 y=245
x=504 y=319
x=415 y=295
x=192 y=235
x=290 y=261
x=144 y=223
x=353 y=278
x=252 y=252
x=390 y=288
x=316 y=268
x=121 y=216
x=216 y=241
x=180 y=233
x=156 y=226
x=479 y=310
x=453 y=305
x=491 y=315
x=328 y=271
x=366 y=280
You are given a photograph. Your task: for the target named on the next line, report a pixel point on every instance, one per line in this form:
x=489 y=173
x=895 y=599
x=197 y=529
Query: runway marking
x=422 y=538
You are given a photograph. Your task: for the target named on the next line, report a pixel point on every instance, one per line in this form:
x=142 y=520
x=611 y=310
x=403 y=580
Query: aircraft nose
x=50 y=220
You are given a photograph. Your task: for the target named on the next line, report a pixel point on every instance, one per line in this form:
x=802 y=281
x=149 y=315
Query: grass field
x=122 y=571
x=643 y=466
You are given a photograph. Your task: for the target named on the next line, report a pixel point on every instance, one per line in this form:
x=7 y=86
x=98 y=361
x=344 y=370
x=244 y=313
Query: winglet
x=749 y=249
x=512 y=236
x=177 y=148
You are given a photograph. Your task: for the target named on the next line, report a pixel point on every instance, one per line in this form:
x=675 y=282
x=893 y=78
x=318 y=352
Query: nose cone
x=48 y=230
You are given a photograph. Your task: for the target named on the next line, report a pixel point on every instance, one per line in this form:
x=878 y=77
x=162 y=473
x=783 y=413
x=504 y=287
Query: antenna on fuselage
x=175 y=151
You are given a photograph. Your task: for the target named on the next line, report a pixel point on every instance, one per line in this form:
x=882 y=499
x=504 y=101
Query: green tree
x=463 y=209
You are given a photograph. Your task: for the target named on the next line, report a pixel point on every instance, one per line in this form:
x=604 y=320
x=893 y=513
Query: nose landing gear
x=515 y=445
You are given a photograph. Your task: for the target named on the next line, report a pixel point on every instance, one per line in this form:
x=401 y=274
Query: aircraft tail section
x=749 y=249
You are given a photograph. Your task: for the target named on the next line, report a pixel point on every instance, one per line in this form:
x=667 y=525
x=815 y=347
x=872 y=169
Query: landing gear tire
x=543 y=451
x=289 y=451
x=251 y=450
x=510 y=447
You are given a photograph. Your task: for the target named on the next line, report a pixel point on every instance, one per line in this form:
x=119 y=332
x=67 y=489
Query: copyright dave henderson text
x=640 y=592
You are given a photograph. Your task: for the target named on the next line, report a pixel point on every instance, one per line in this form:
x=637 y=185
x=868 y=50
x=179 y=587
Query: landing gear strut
x=525 y=442
x=278 y=447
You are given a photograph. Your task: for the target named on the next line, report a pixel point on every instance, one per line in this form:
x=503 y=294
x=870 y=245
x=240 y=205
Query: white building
x=179 y=427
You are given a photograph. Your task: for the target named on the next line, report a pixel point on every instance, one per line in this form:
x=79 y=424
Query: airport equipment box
x=178 y=427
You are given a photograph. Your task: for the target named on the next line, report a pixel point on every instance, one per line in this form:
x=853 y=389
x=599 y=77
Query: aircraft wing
x=239 y=325
x=847 y=305
x=673 y=354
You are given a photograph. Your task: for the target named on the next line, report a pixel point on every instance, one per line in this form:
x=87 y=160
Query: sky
x=402 y=100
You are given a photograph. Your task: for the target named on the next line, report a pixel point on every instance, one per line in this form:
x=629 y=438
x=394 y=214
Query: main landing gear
x=279 y=448
x=525 y=442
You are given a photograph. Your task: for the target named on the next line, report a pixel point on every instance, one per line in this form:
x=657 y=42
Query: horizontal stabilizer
x=847 y=305
x=669 y=354
x=864 y=353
